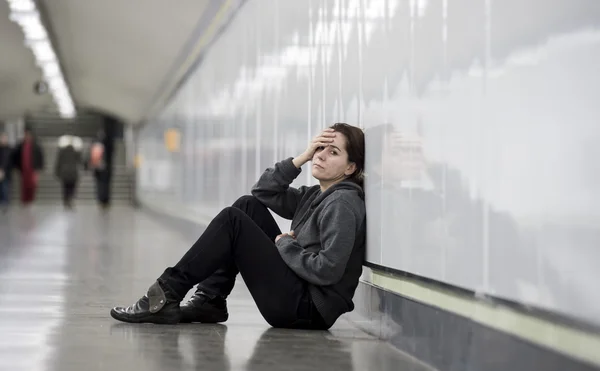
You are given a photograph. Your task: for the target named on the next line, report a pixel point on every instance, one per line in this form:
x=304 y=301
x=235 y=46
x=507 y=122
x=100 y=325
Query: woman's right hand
x=322 y=140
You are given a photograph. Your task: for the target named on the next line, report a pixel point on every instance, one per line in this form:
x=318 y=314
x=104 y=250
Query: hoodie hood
x=345 y=188
x=343 y=185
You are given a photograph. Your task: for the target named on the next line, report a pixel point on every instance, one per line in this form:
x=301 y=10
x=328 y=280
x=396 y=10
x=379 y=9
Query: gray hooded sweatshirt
x=330 y=229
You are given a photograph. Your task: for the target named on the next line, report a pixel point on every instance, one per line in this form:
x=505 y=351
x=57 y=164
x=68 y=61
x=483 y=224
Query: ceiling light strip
x=26 y=15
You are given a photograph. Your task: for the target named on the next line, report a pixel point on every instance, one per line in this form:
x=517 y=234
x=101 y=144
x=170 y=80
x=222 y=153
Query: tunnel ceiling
x=116 y=55
x=18 y=71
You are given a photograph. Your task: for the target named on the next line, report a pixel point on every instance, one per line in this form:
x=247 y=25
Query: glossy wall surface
x=482 y=122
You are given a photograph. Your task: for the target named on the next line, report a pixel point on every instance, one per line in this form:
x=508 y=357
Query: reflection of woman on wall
x=438 y=225
x=305 y=278
x=400 y=193
x=28 y=158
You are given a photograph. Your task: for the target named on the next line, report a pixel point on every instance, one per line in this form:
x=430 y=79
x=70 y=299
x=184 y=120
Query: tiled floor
x=61 y=272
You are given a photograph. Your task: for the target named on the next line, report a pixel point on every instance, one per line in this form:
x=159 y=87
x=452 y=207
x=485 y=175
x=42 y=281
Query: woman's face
x=330 y=164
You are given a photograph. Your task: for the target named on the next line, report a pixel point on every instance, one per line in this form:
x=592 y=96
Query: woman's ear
x=351 y=169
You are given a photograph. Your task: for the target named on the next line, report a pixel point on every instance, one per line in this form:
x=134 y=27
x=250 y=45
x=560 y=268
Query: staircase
x=50 y=189
x=49 y=125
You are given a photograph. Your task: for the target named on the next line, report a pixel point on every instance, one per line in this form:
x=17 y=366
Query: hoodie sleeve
x=274 y=191
x=337 y=224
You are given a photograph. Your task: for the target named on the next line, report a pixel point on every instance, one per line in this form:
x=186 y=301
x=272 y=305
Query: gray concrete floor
x=61 y=272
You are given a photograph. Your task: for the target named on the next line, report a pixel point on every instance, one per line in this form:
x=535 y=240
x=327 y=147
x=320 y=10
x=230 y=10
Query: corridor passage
x=61 y=272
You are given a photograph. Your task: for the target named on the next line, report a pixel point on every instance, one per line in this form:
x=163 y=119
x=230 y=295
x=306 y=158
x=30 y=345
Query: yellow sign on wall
x=137 y=161
x=172 y=140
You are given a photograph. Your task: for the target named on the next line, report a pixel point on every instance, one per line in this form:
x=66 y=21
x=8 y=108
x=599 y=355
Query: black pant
x=241 y=239
x=69 y=188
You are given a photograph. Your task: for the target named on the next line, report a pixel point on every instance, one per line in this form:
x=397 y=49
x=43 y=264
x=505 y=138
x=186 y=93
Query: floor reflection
x=206 y=347
x=186 y=347
x=32 y=284
x=299 y=350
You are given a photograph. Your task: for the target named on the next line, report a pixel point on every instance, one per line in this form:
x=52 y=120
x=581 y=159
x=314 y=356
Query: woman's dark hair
x=355 y=146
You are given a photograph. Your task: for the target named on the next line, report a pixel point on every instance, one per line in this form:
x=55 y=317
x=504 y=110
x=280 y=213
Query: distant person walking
x=66 y=169
x=28 y=158
x=99 y=162
x=5 y=170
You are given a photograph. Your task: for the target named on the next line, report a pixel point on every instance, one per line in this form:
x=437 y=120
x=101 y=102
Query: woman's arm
x=273 y=188
x=274 y=191
x=338 y=225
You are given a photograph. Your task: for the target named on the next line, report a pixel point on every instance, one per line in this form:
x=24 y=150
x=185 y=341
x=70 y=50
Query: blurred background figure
x=75 y=141
x=99 y=162
x=28 y=158
x=5 y=170
x=68 y=162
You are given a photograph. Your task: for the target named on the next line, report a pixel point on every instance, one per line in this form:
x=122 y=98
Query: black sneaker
x=200 y=308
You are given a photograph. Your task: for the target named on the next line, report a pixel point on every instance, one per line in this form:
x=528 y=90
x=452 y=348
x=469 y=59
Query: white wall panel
x=482 y=131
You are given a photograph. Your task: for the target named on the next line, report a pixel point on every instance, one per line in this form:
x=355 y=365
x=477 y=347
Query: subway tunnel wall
x=481 y=121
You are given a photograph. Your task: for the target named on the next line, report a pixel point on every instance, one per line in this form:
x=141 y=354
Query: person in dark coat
x=5 y=170
x=99 y=160
x=66 y=170
x=28 y=158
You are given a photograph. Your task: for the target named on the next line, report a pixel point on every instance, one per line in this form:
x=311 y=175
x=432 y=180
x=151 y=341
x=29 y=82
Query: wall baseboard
x=450 y=341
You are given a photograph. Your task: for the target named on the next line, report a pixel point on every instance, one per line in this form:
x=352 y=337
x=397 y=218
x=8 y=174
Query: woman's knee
x=247 y=201
x=229 y=212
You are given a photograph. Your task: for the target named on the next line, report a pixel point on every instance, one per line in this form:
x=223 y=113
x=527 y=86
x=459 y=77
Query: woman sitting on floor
x=301 y=279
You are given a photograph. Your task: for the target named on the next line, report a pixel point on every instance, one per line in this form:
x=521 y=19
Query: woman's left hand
x=290 y=233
